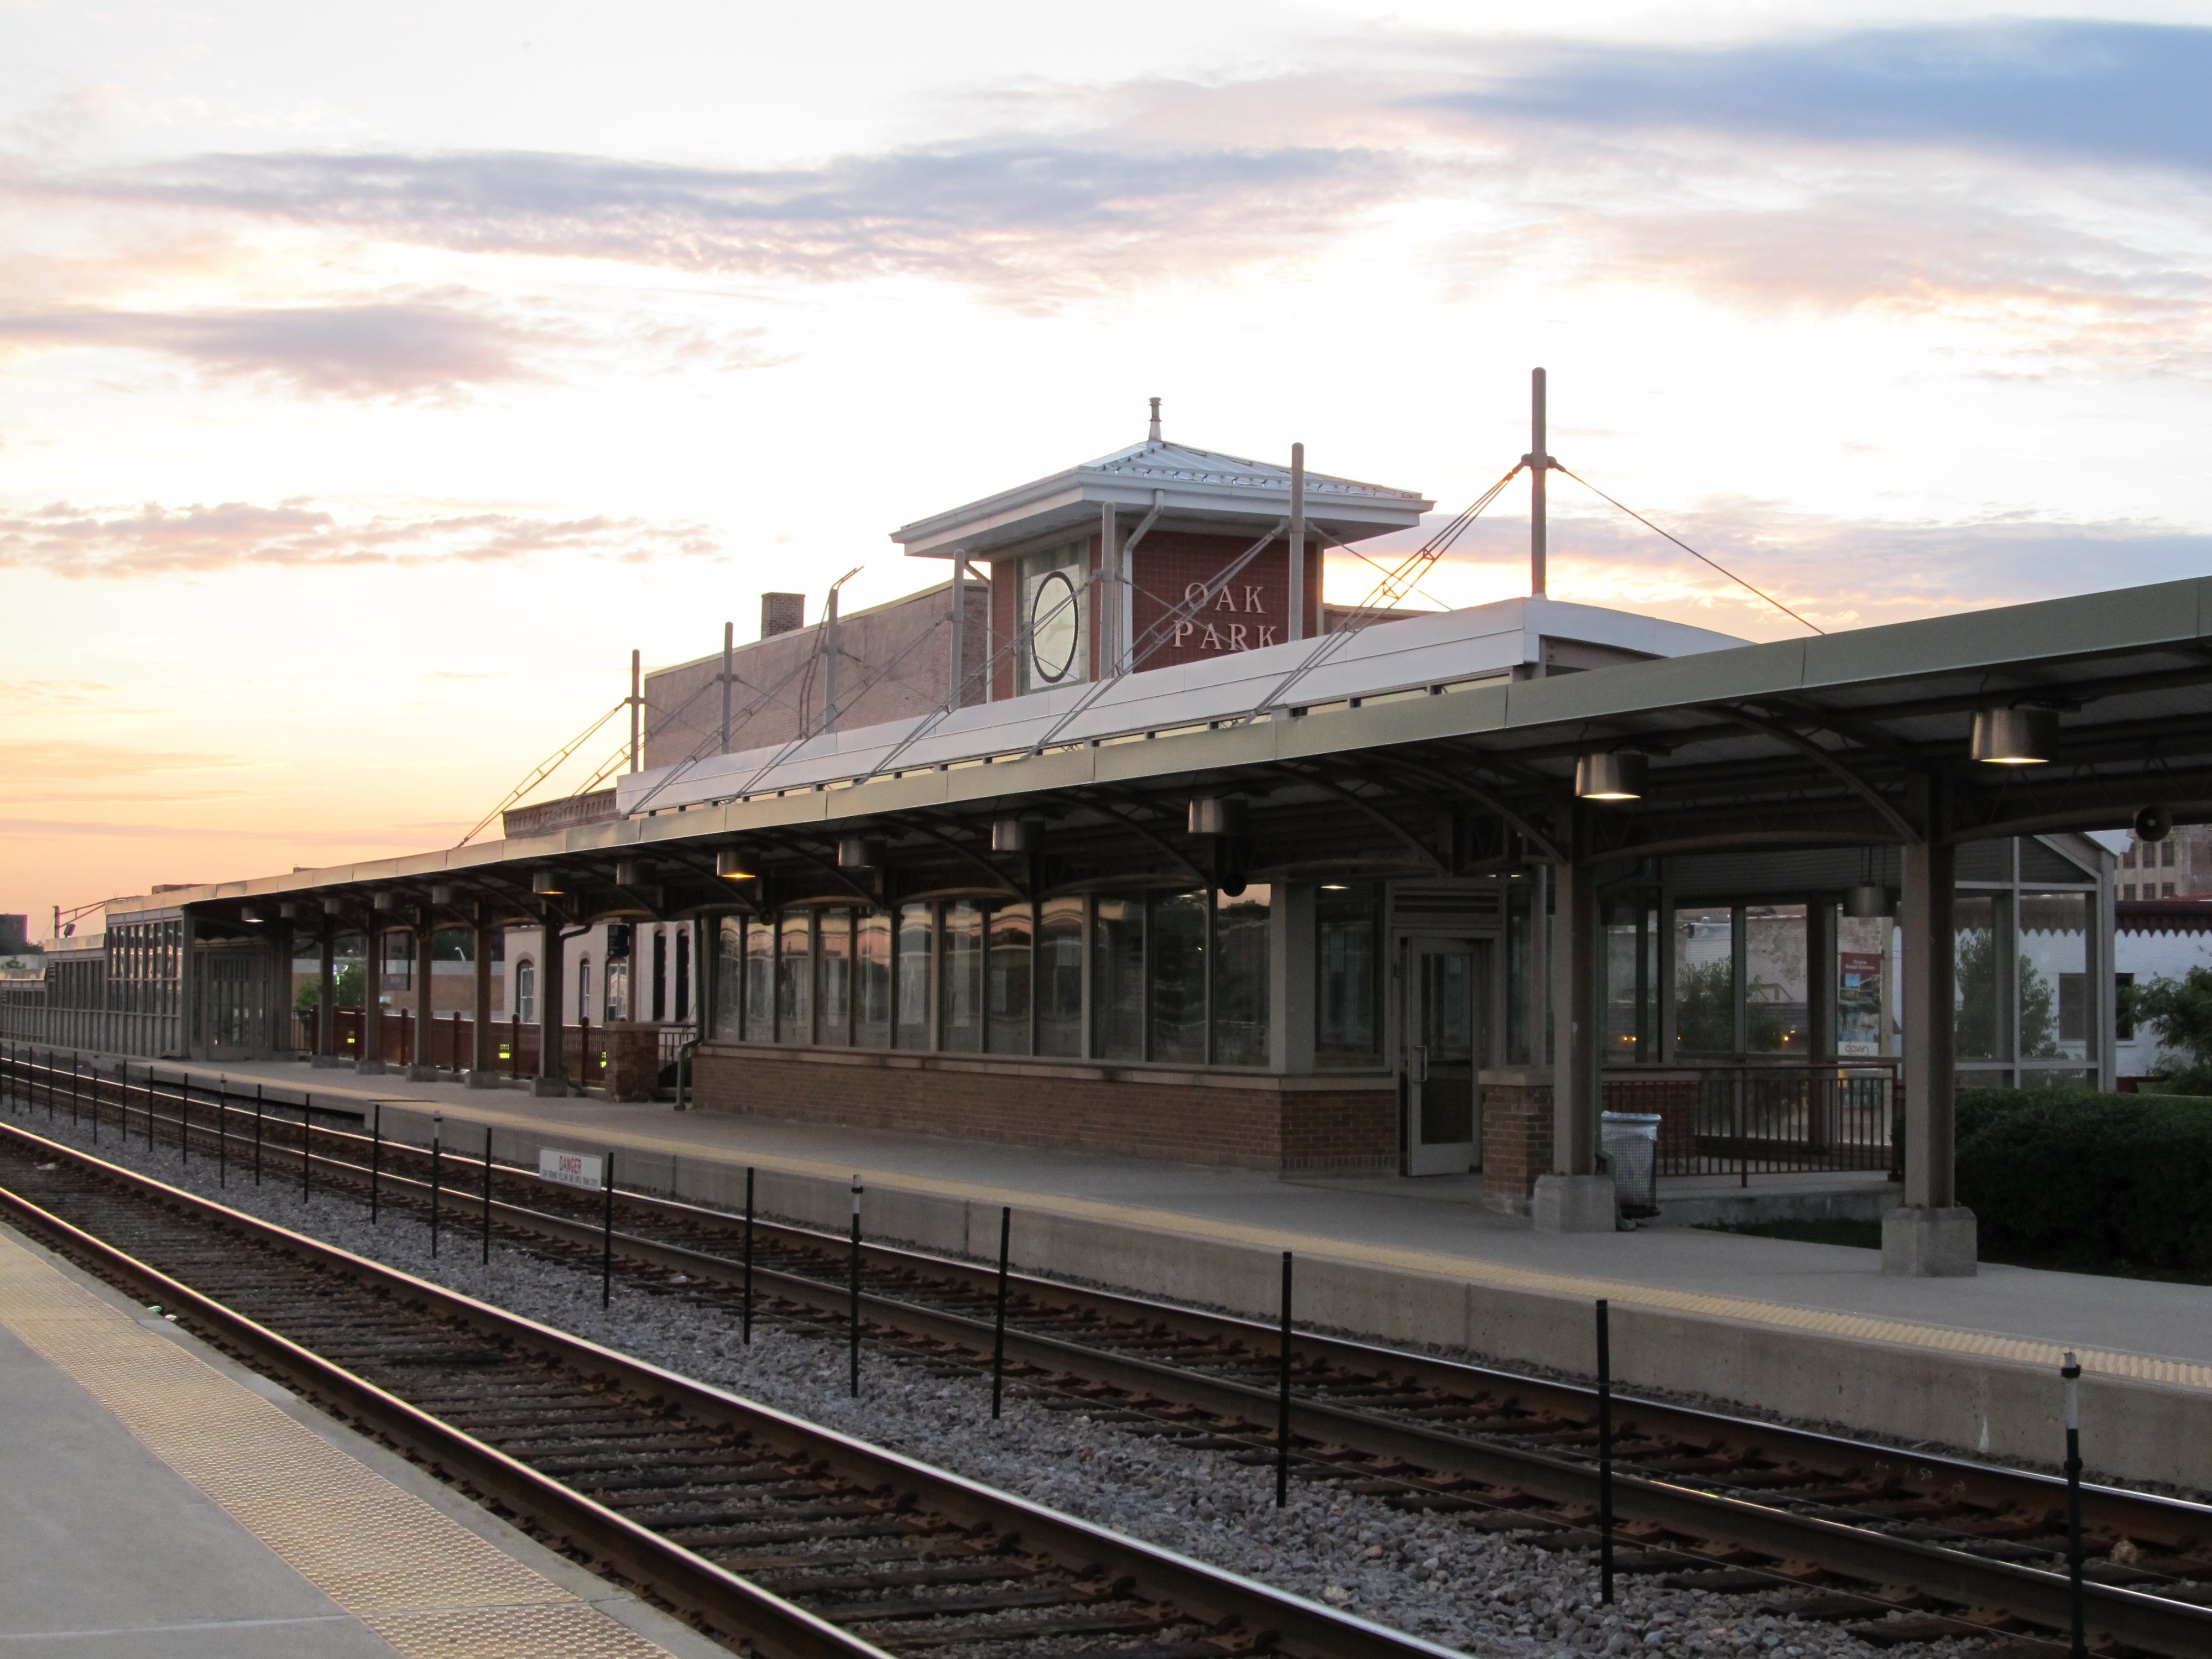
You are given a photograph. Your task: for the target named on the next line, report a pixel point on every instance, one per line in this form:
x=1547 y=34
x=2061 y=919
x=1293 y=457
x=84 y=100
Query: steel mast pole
x=1538 y=461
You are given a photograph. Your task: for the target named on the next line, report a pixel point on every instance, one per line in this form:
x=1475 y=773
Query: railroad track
x=1818 y=1525
x=767 y=1531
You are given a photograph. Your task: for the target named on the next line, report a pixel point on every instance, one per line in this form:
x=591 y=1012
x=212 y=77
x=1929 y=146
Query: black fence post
x=153 y=1088
x=223 y=1132
x=748 y=1316
x=74 y=1102
x=607 y=1239
x=93 y=1069
x=184 y=1118
x=375 y=1159
x=307 y=1148
x=1604 y=1453
x=1282 y=1398
x=2071 y=1371
x=437 y=1151
x=853 y=1314
x=256 y=1134
x=487 y=1218
x=998 y=1326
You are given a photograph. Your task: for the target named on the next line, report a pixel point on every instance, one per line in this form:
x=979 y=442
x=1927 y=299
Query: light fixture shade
x=253 y=913
x=1867 y=900
x=298 y=909
x=1217 y=815
x=859 y=852
x=2016 y=737
x=386 y=903
x=445 y=893
x=630 y=872
x=1009 y=835
x=734 y=864
x=1612 y=774
x=547 y=884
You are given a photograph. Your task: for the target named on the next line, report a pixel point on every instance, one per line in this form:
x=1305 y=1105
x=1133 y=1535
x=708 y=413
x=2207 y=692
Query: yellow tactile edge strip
x=420 y=1579
x=1821 y=1321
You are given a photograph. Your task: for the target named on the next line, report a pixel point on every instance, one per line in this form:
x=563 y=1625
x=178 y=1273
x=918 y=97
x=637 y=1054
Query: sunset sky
x=374 y=379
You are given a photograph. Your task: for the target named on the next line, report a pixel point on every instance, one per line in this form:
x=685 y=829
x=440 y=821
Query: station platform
x=165 y=1503
x=1815 y=1333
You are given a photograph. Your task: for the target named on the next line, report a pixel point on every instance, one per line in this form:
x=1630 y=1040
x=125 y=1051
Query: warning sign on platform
x=570 y=1169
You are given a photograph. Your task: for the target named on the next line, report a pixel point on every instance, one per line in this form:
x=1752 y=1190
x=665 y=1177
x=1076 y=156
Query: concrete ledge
x=424 y=1073
x=370 y=1068
x=485 y=1080
x=328 y=1062
x=551 y=1088
x=1574 y=1203
x=1754 y=1208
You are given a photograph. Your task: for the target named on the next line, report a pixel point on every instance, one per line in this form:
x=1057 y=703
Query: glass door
x=1443 y=1047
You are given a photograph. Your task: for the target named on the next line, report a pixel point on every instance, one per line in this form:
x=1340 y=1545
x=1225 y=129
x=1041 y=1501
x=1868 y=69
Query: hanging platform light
x=547 y=884
x=2016 y=737
x=1865 y=900
x=1612 y=774
x=735 y=864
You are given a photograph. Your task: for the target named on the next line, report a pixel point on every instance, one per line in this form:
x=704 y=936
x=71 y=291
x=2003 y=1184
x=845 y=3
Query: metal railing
x=450 y=1043
x=1745 y=1119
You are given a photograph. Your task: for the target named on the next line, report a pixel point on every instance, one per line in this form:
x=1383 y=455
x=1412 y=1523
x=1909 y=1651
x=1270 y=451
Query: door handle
x=1421 y=1062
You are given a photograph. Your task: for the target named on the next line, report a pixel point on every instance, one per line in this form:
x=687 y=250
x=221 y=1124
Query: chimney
x=1155 y=432
x=783 y=613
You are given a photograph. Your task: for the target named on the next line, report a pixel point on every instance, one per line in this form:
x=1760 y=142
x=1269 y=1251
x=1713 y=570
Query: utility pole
x=1298 y=629
x=1538 y=461
x=959 y=628
x=636 y=706
x=729 y=654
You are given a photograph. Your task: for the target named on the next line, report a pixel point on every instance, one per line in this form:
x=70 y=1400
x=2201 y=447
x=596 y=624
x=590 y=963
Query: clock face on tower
x=1052 y=627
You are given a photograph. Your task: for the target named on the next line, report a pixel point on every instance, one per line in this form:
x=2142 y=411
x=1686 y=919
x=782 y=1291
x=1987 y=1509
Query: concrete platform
x=1814 y=1332
x=164 y=1503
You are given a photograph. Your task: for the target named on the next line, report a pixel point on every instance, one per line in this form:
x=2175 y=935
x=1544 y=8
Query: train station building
x=1164 y=859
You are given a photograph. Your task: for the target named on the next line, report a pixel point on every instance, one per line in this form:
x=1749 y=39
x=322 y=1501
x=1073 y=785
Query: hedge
x=2089 y=1181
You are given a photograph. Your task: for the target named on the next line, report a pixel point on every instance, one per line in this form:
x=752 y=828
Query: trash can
x=1630 y=1140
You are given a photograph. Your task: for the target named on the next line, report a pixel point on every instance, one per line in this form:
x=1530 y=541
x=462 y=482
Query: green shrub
x=2089 y=1181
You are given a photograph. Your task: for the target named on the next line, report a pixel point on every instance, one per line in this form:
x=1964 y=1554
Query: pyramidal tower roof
x=1193 y=489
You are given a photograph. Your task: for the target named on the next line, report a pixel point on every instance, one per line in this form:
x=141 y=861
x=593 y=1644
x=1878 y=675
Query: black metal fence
x=1747 y=1119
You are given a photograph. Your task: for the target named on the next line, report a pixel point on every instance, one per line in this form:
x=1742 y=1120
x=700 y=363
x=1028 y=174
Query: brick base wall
x=1517 y=1137
x=1259 y=1125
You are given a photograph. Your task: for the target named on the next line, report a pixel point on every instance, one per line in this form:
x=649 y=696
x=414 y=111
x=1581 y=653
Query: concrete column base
x=370 y=1068
x=1929 y=1243
x=1574 y=1203
x=485 y=1080
x=328 y=1062
x=424 y=1074
x=550 y=1088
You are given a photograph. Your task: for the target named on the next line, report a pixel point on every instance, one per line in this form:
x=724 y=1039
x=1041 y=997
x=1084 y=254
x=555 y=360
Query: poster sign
x=569 y=1169
x=1859 y=1002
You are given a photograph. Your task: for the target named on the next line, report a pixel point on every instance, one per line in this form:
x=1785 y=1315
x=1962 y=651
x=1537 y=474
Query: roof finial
x=1156 y=420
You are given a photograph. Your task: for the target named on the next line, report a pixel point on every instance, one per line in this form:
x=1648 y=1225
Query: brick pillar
x=1516 y=1136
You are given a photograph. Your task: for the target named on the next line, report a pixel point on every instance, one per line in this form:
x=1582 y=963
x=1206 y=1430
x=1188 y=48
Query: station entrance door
x=1444 y=1042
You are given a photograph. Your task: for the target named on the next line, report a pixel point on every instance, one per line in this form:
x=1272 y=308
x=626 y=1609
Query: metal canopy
x=1848 y=739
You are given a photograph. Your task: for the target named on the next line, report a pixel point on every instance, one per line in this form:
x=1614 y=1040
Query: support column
x=422 y=1069
x=552 y=1061
x=371 y=1058
x=1575 y=1198
x=326 y=995
x=481 y=1074
x=1297 y=611
x=1930 y=1235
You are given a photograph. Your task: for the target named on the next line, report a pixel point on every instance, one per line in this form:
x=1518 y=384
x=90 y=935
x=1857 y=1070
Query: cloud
x=2084 y=90
x=397 y=350
x=52 y=696
x=68 y=828
x=49 y=758
x=997 y=213
x=70 y=541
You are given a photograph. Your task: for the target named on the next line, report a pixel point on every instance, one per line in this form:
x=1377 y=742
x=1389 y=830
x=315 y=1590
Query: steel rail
x=1201 y=1592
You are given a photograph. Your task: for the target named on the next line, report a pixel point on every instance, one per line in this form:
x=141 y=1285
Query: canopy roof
x=1194 y=488
x=1847 y=740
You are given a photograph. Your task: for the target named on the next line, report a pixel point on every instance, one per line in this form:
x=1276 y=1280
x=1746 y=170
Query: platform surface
x=164 y=1503
x=2139 y=1329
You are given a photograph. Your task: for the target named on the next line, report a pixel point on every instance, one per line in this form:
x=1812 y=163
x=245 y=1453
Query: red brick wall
x=1516 y=1142
x=1251 y=611
x=1260 y=1127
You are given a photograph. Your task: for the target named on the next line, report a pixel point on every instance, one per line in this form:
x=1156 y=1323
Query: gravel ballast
x=1480 y=1592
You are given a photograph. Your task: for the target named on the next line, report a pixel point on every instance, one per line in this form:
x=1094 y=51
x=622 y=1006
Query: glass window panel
x=1978 y=1030
x=917 y=936
x=794 y=976
x=1631 y=980
x=1865 y=970
x=1006 y=980
x=960 y=1029
x=1242 y=963
x=760 y=980
x=1704 y=980
x=871 y=990
x=833 y=1006
x=1347 y=977
x=2054 y=976
x=1060 y=977
x=1117 y=977
x=1178 y=998
x=1776 y=1013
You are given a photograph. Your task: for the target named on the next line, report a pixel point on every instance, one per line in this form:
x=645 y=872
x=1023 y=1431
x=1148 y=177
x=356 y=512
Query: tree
x=1704 y=1008
x=350 y=979
x=2180 y=1011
